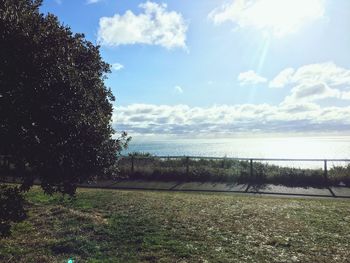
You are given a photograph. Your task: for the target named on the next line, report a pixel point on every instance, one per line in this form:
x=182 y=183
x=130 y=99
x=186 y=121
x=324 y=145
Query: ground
x=145 y=226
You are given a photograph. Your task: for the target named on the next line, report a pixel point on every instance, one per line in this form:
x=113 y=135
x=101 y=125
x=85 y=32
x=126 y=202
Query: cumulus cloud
x=154 y=26
x=117 y=66
x=314 y=82
x=250 y=78
x=313 y=92
x=327 y=72
x=275 y=16
x=298 y=111
x=185 y=120
x=345 y=95
x=178 y=89
x=282 y=79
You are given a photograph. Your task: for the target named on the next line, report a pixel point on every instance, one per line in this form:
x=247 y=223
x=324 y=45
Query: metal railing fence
x=295 y=170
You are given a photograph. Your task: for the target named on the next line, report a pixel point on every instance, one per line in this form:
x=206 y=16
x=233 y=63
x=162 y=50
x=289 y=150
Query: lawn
x=141 y=226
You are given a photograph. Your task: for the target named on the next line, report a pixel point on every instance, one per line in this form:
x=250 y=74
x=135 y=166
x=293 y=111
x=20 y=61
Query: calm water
x=291 y=147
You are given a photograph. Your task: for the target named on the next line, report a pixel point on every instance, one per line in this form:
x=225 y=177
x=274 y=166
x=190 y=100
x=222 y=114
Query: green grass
x=140 y=226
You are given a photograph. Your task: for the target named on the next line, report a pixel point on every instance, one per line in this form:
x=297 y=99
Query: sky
x=221 y=67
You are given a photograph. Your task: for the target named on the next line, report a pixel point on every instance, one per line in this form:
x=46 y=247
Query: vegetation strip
x=253 y=171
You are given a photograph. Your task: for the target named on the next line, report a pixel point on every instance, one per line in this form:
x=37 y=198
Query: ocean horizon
x=318 y=147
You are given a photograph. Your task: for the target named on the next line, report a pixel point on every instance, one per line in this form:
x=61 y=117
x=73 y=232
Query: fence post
x=325 y=171
x=251 y=168
x=6 y=163
x=132 y=164
x=187 y=166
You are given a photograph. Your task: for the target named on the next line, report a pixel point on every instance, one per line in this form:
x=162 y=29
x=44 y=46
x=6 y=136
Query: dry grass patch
x=140 y=226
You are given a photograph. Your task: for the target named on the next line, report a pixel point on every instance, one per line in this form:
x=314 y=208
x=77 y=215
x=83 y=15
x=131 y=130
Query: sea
x=316 y=147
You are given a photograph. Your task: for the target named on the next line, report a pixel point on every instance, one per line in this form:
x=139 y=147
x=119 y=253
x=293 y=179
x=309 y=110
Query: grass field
x=140 y=226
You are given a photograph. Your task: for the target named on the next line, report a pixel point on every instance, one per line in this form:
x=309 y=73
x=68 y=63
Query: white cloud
x=224 y=119
x=282 y=79
x=154 y=26
x=92 y=1
x=178 y=89
x=312 y=92
x=275 y=16
x=250 y=78
x=345 y=95
x=298 y=112
x=117 y=66
x=314 y=82
x=327 y=72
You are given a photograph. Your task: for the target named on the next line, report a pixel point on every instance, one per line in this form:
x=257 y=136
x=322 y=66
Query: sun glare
x=282 y=16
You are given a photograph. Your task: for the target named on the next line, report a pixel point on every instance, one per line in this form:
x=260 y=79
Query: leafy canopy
x=55 y=110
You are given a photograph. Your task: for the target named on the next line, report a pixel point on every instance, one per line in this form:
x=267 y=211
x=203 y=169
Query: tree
x=55 y=110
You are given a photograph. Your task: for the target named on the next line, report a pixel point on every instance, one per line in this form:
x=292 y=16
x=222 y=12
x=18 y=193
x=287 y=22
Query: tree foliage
x=55 y=110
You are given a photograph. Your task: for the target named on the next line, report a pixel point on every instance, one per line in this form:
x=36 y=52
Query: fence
x=291 y=172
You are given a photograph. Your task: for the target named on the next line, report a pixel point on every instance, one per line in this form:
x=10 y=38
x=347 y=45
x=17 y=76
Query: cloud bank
x=298 y=112
x=226 y=120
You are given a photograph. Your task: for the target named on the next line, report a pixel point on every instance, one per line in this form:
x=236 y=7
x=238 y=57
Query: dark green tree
x=55 y=110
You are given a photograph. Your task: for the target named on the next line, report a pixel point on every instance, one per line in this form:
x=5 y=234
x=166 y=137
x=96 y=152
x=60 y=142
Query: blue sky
x=221 y=67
